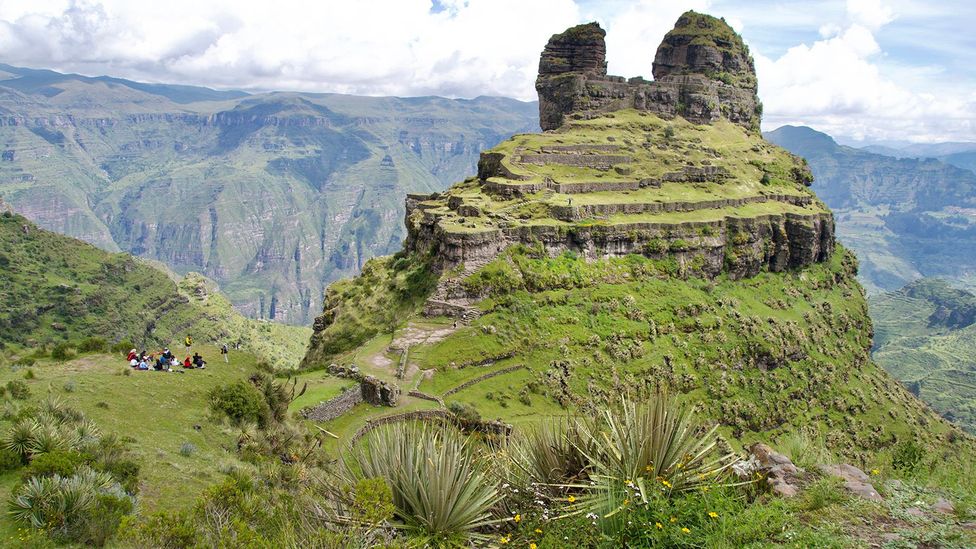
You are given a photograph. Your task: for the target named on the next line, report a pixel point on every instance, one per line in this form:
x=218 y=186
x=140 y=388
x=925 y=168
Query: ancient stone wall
x=702 y=71
x=334 y=407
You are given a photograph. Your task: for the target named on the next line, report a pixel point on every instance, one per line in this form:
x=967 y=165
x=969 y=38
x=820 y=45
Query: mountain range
x=906 y=218
x=272 y=195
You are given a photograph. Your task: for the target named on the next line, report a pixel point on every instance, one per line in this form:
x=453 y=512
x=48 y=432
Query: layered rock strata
x=702 y=71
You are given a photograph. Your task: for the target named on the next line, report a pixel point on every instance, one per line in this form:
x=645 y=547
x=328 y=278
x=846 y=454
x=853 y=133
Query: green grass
x=159 y=411
x=925 y=337
x=624 y=322
x=57 y=289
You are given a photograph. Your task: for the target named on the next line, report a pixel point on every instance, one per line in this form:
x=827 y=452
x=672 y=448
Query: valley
x=647 y=325
x=271 y=195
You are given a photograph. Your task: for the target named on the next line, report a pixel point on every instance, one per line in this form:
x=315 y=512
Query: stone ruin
x=702 y=71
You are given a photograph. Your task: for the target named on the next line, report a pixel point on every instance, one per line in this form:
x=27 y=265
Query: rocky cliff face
x=702 y=72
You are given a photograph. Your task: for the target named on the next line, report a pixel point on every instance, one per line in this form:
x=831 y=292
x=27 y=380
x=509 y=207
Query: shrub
x=124 y=471
x=69 y=386
x=62 y=351
x=9 y=460
x=240 y=402
x=62 y=463
x=122 y=346
x=160 y=530
x=187 y=449
x=464 y=411
x=93 y=345
x=29 y=374
x=18 y=389
x=907 y=455
x=442 y=490
x=26 y=361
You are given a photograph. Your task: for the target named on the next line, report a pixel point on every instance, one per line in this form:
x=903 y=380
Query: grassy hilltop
x=59 y=291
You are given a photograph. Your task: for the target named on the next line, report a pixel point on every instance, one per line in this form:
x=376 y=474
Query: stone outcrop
x=855 y=480
x=378 y=392
x=702 y=71
x=741 y=246
x=783 y=477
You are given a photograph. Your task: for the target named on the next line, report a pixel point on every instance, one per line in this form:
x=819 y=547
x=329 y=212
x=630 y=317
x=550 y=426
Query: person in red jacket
x=187 y=363
x=132 y=354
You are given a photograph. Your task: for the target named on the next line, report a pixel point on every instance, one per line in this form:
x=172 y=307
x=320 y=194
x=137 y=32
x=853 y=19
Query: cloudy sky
x=873 y=69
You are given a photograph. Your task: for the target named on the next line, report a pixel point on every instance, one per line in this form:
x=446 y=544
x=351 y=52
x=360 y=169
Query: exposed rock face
x=742 y=247
x=702 y=71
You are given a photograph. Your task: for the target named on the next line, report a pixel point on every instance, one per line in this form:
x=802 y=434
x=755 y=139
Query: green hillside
x=627 y=248
x=905 y=218
x=271 y=195
x=57 y=290
x=925 y=336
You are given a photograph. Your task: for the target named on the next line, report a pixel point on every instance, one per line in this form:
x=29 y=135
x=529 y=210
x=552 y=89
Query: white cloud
x=842 y=82
x=473 y=47
x=841 y=85
x=870 y=13
x=634 y=33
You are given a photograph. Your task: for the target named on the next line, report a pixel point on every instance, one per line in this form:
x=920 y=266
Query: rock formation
x=702 y=71
x=668 y=169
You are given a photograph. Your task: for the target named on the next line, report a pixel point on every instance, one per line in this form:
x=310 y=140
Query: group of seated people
x=163 y=361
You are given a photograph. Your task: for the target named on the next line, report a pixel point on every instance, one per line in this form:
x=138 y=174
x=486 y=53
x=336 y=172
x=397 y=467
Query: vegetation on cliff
x=59 y=292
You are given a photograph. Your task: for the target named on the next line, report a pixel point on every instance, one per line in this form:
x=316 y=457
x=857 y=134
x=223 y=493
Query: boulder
x=855 y=480
x=378 y=392
x=783 y=477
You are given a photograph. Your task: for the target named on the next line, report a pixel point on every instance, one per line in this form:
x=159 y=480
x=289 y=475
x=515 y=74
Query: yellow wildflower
x=503 y=541
x=875 y=472
x=705 y=488
x=659 y=525
x=713 y=514
x=533 y=546
x=674 y=519
x=517 y=518
x=686 y=531
x=571 y=499
x=666 y=483
x=538 y=531
x=626 y=501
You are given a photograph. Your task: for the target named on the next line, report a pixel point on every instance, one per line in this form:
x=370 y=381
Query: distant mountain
x=961 y=155
x=905 y=217
x=273 y=195
x=925 y=335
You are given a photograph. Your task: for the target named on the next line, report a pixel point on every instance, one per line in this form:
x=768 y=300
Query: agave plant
x=48 y=438
x=549 y=454
x=34 y=502
x=21 y=438
x=58 y=503
x=639 y=449
x=443 y=491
